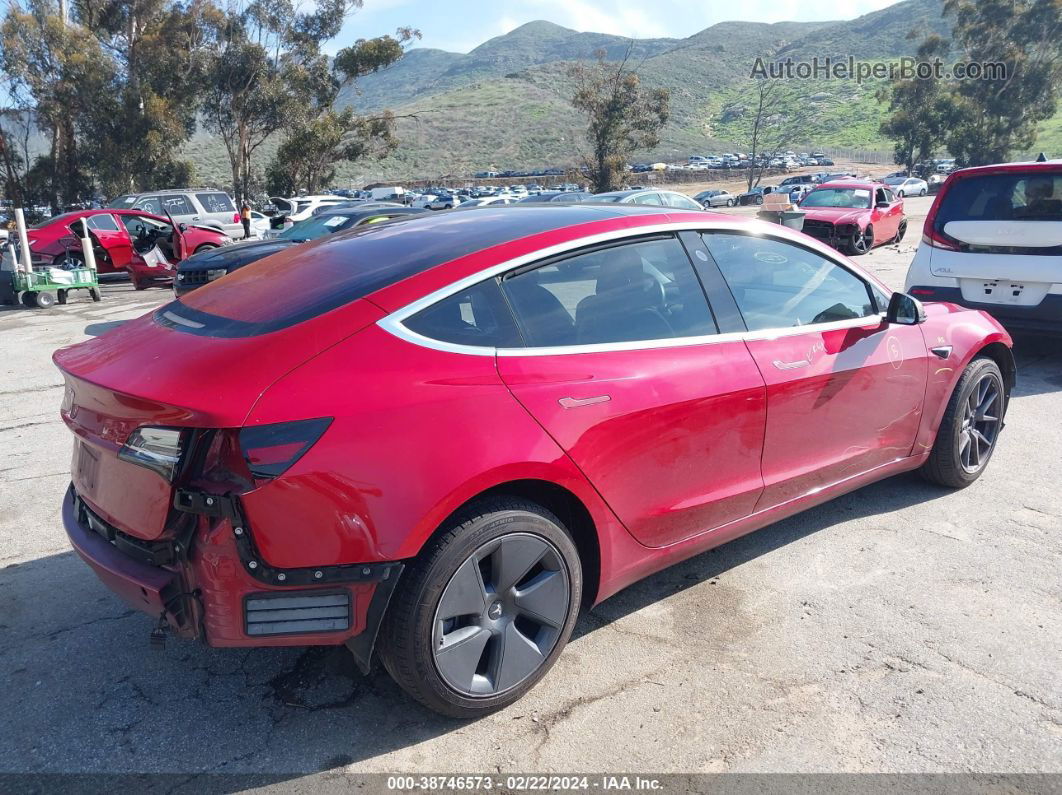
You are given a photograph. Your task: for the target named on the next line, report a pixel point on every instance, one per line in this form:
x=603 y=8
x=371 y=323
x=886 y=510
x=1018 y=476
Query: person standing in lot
x=245 y=218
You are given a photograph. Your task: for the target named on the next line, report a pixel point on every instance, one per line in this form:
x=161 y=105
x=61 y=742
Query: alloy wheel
x=500 y=615
x=980 y=423
x=862 y=240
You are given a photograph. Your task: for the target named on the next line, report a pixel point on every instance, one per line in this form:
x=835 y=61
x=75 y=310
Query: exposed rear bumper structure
x=207 y=592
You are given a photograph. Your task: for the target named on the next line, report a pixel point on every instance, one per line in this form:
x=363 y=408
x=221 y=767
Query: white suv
x=993 y=241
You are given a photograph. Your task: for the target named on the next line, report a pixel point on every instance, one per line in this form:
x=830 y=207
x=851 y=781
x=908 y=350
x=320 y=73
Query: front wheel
x=205 y=247
x=922 y=192
x=485 y=610
x=861 y=241
x=970 y=427
x=729 y=202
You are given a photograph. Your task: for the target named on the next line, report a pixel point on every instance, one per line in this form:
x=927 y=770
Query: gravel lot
x=900 y=628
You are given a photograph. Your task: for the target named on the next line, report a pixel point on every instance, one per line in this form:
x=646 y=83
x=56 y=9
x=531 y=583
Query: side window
x=780 y=285
x=648 y=198
x=178 y=205
x=881 y=298
x=680 y=201
x=635 y=291
x=105 y=223
x=476 y=316
x=150 y=205
x=216 y=202
x=881 y=195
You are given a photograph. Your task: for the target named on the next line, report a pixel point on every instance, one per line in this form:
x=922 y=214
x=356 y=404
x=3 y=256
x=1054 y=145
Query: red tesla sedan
x=436 y=440
x=147 y=246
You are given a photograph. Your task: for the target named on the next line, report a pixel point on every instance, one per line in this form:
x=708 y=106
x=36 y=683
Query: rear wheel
x=922 y=192
x=759 y=200
x=970 y=427
x=729 y=202
x=28 y=300
x=485 y=610
x=901 y=230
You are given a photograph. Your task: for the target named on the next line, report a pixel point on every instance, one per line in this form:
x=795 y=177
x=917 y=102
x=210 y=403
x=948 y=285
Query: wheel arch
x=1002 y=355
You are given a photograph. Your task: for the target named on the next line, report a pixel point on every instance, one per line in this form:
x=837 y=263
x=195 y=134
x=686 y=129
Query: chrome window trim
x=392 y=323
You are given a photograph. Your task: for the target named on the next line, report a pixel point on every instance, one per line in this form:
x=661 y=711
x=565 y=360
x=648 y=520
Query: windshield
x=858 y=198
x=318 y=226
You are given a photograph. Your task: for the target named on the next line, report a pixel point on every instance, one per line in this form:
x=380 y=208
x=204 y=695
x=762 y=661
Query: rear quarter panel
x=416 y=433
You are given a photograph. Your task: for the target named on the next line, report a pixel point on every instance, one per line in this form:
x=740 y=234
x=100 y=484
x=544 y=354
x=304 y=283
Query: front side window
x=177 y=205
x=648 y=198
x=631 y=292
x=477 y=316
x=781 y=285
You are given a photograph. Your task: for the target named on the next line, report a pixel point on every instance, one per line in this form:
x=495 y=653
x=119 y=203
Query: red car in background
x=147 y=246
x=451 y=433
x=854 y=216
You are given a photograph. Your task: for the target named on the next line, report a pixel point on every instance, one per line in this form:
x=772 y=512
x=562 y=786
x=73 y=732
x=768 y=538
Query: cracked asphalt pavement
x=900 y=628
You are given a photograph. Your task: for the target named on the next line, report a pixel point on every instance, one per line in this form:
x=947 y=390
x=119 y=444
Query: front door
x=886 y=215
x=844 y=388
x=622 y=370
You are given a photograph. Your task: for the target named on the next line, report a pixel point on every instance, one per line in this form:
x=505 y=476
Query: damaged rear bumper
x=215 y=587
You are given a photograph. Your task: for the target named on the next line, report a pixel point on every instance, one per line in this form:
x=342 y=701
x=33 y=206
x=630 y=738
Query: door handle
x=574 y=403
x=790 y=365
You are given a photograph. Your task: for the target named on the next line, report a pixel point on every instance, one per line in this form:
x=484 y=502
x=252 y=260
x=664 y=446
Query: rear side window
x=103 y=222
x=477 y=316
x=779 y=285
x=1003 y=197
x=216 y=202
x=632 y=292
x=681 y=202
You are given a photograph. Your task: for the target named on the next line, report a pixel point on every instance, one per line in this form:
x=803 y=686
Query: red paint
x=697 y=443
x=114 y=248
x=885 y=220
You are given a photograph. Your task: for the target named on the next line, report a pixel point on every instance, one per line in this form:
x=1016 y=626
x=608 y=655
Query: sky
x=460 y=25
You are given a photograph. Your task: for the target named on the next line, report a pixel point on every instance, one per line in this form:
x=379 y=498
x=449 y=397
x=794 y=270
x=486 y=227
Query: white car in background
x=486 y=201
x=423 y=201
x=907 y=186
x=259 y=225
x=299 y=208
x=993 y=241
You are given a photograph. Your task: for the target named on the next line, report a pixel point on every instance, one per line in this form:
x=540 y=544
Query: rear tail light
x=930 y=236
x=270 y=450
x=158 y=449
x=922 y=291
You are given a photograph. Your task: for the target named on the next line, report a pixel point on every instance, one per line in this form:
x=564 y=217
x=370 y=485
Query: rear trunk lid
x=148 y=373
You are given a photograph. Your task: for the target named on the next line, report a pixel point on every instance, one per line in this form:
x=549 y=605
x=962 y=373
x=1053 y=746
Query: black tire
x=28 y=300
x=729 y=202
x=861 y=241
x=922 y=192
x=43 y=299
x=62 y=297
x=901 y=230
x=945 y=465
x=759 y=200
x=205 y=247
x=95 y=293
x=411 y=628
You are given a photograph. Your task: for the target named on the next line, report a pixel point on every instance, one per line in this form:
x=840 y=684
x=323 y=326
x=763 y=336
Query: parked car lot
x=898 y=629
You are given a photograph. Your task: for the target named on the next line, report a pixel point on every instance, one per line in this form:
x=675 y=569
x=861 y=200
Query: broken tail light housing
x=157 y=449
x=270 y=450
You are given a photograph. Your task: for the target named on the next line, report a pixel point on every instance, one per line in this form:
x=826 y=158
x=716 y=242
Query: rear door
x=108 y=237
x=844 y=388
x=624 y=368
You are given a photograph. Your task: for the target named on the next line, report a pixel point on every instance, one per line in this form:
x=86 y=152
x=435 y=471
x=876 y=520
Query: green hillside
x=505 y=104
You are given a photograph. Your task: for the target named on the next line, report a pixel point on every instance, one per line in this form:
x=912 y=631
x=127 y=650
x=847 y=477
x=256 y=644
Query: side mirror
x=905 y=310
x=183 y=227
